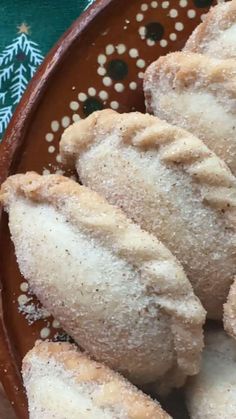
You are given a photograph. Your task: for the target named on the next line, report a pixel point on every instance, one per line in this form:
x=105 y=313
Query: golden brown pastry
x=212 y=393
x=197 y=93
x=115 y=289
x=63 y=383
x=170 y=183
x=216 y=36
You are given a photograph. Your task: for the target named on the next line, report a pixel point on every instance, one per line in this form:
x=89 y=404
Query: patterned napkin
x=28 y=30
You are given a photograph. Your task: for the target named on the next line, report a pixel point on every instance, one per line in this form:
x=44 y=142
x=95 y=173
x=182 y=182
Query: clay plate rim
x=12 y=140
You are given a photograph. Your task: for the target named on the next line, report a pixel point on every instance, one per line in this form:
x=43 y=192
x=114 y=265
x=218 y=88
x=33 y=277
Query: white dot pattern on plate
x=102 y=59
x=110 y=49
x=49 y=137
x=119 y=87
x=65 y=122
x=173 y=36
x=140 y=63
x=23 y=299
x=107 y=81
x=144 y=7
x=91 y=91
x=165 y=4
x=74 y=105
x=103 y=95
x=179 y=26
x=163 y=43
x=24 y=286
x=44 y=333
x=139 y=17
x=101 y=71
x=114 y=104
x=142 y=32
x=191 y=14
x=58 y=158
x=154 y=4
x=82 y=97
x=121 y=48
x=75 y=117
x=51 y=149
x=150 y=43
x=133 y=52
x=173 y=13
x=133 y=85
x=55 y=126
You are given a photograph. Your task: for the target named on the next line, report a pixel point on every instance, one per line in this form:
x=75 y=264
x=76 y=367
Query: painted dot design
x=203 y=3
x=91 y=105
x=117 y=69
x=154 y=31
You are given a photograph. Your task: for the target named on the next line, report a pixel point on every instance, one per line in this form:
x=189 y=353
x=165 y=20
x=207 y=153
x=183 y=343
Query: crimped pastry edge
x=175 y=145
x=84 y=370
x=221 y=15
x=57 y=189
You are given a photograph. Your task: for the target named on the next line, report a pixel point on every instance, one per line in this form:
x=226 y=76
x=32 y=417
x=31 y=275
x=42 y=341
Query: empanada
x=115 y=289
x=212 y=393
x=216 y=35
x=63 y=383
x=171 y=184
x=197 y=93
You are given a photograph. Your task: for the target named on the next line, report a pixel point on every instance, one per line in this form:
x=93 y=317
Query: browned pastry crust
x=207 y=37
x=122 y=325
x=197 y=93
x=109 y=151
x=105 y=388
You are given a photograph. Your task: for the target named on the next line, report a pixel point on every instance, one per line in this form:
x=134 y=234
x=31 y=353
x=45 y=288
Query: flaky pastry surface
x=197 y=93
x=170 y=183
x=115 y=289
x=216 y=35
x=88 y=389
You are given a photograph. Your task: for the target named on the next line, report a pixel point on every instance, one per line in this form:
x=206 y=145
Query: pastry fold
x=212 y=393
x=115 y=289
x=63 y=383
x=197 y=93
x=170 y=183
x=216 y=35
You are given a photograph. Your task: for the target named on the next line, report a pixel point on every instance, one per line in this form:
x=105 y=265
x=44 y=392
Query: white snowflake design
x=18 y=63
x=89 y=4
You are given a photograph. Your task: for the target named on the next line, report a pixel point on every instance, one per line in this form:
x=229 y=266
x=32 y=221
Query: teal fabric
x=28 y=29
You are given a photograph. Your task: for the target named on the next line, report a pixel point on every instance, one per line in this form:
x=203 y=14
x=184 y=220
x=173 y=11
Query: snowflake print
x=18 y=63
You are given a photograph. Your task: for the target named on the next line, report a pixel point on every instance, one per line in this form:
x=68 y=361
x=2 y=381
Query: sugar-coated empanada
x=63 y=383
x=212 y=393
x=216 y=35
x=115 y=289
x=170 y=183
x=197 y=93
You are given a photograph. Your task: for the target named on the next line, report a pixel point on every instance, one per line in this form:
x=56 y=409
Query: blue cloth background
x=28 y=29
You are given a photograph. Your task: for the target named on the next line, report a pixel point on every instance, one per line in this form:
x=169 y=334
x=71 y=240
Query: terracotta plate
x=98 y=63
